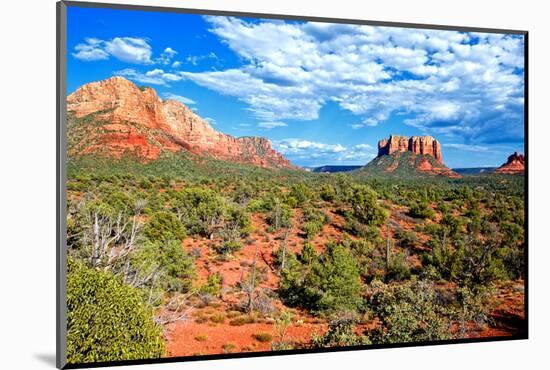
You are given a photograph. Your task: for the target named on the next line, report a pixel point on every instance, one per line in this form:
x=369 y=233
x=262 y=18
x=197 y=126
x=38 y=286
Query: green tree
x=164 y=226
x=330 y=284
x=408 y=313
x=202 y=211
x=421 y=210
x=364 y=206
x=280 y=216
x=106 y=319
x=301 y=192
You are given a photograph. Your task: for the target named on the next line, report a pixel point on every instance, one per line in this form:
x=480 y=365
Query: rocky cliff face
x=409 y=156
x=415 y=144
x=121 y=118
x=515 y=165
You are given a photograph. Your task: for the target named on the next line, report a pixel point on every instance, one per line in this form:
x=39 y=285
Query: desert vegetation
x=189 y=255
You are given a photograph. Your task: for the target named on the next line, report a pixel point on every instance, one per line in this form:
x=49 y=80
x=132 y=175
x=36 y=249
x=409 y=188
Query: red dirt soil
x=198 y=334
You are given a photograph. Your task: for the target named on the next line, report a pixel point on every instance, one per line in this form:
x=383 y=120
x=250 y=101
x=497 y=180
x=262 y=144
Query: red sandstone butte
x=415 y=144
x=140 y=121
x=515 y=165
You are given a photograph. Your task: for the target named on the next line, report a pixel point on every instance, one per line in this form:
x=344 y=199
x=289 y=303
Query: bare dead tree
x=283 y=247
x=250 y=288
x=112 y=238
x=172 y=314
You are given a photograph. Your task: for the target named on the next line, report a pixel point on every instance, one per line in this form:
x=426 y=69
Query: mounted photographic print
x=235 y=184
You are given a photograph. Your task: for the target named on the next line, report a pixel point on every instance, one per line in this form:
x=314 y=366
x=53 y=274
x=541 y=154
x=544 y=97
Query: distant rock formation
x=415 y=144
x=122 y=117
x=405 y=156
x=515 y=165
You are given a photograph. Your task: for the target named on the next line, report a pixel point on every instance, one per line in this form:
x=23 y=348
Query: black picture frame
x=61 y=160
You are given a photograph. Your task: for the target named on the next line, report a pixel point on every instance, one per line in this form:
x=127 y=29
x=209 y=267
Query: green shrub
x=167 y=262
x=398 y=268
x=330 y=284
x=421 y=210
x=164 y=226
x=314 y=220
x=201 y=210
x=341 y=332
x=107 y=320
x=327 y=192
x=280 y=216
x=364 y=206
x=308 y=254
x=301 y=192
x=408 y=313
x=407 y=239
x=311 y=228
x=213 y=285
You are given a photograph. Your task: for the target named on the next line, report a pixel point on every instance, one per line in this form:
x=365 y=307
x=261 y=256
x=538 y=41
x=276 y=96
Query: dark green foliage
x=398 y=268
x=407 y=239
x=243 y=193
x=107 y=320
x=341 y=332
x=280 y=215
x=327 y=192
x=359 y=229
x=201 y=210
x=313 y=222
x=364 y=206
x=163 y=227
x=452 y=224
x=301 y=192
x=470 y=260
x=409 y=313
x=369 y=257
x=421 y=210
x=331 y=283
x=162 y=264
x=478 y=240
x=308 y=254
x=213 y=285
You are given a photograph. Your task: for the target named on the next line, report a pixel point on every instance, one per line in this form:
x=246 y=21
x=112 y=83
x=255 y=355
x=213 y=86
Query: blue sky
x=322 y=93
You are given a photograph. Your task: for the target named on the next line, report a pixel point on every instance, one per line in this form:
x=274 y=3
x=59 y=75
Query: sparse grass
x=248 y=348
x=201 y=319
x=242 y=320
x=201 y=338
x=232 y=314
x=263 y=337
x=218 y=318
x=229 y=347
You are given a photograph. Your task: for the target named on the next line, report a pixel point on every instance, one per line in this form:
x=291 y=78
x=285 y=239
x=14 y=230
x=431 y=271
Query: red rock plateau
x=515 y=165
x=425 y=155
x=137 y=120
x=415 y=144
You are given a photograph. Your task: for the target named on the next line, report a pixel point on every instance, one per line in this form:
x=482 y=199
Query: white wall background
x=27 y=203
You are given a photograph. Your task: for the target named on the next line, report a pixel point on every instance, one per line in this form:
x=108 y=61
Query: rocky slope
x=414 y=144
x=409 y=157
x=115 y=117
x=515 y=165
